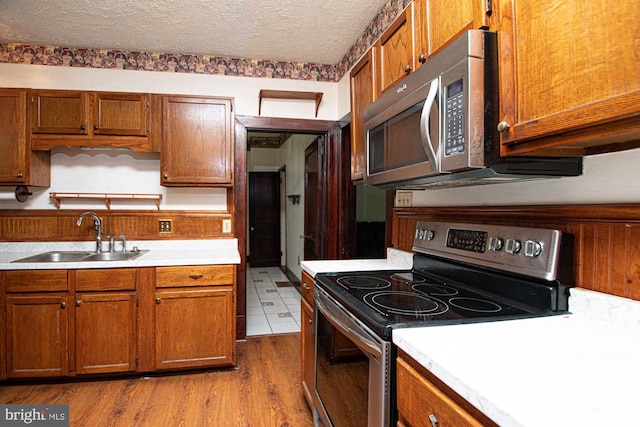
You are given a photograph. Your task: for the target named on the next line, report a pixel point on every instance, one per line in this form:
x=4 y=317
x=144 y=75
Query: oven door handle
x=342 y=320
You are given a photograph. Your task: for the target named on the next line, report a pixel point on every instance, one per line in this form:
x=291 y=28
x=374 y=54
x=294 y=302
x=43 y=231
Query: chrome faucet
x=98 y=226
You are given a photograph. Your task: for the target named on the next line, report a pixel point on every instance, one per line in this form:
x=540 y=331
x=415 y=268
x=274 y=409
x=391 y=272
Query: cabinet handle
x=407 y=69
x=433 y=420
x=195 y=276
x=83 y=127
x=19 y=175
x=305 y=286
x=78 y=302
x=310 y=321
x=422 y=58
x=96 y=127
x=503 y=126
x=165 y=176
x=63 y=304
x=157 y=300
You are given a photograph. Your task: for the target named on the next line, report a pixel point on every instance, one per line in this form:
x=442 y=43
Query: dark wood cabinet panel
x=197 y=145
x=120 y=114
x=194 y=328
x=60 y=112
x=394 y=51
x=363 y=93
x=105 y=332
x=37 y=335
x=308 y=374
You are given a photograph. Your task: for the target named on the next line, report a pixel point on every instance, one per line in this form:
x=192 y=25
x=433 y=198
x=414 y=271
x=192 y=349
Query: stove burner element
x=475 y=304
x=436 y=289
x=407 y=303
x=363 y=282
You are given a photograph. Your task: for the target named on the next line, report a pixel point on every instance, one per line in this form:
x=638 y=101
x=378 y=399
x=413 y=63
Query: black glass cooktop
x=388 y=299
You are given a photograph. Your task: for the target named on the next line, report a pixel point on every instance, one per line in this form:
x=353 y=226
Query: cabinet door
x=306 y=317
x=197 y=142
x=105 y=333
x=60 y=112
x=569 y=72
x=194 y=328
x=394 y=51
x=439 y=22
x=362 y=94
x=37 y=336
x=13 y=142
x=120 y=114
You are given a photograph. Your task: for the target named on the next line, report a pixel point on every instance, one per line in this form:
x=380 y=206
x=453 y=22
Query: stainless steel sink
x=77 y=256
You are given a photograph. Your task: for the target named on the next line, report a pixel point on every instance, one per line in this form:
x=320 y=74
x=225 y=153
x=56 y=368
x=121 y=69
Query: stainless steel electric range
x=461 y=273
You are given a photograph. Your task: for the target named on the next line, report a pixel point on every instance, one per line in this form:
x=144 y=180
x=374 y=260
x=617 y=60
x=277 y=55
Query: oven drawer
x=421 y=403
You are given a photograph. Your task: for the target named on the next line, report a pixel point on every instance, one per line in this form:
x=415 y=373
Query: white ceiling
x=317 y=31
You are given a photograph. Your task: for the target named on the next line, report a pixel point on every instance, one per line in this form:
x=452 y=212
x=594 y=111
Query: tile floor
x=273 y=304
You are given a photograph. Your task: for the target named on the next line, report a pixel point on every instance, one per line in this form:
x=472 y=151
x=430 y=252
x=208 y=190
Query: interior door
x=264 y=219
x=313 y=203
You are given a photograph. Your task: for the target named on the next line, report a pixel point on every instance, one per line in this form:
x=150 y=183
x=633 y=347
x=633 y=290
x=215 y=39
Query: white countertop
x=569 y=370
x=396 y=260
x=160 y=253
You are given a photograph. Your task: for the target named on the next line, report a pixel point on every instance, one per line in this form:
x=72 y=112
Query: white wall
x=607 y=178
x=123 y=171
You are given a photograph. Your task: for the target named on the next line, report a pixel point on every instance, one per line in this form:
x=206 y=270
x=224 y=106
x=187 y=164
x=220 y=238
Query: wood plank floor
x=264 y=390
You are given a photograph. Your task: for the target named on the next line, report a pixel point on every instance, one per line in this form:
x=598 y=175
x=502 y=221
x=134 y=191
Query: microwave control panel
x=454 y=118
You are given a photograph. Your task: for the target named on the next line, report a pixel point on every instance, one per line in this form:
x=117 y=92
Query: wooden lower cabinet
x=306 y=319
x=37 y=335
x=194 y=328
x=106 y=332
x=423 y=401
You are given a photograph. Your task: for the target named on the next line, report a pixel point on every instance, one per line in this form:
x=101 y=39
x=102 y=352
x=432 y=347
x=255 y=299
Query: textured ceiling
x=317 y=31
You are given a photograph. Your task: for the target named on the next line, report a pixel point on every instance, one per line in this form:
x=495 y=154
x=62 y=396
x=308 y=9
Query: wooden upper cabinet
x=19 y=166
x=197 y=137
x=439 y=22
x=120 y=114
x=90 y=119
x=363 y=93
x=394 y=51
x=60 y=112
x=569 y=76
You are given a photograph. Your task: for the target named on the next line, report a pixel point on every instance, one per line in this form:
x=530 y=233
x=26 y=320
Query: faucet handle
x=124 y=243
x=112 y=243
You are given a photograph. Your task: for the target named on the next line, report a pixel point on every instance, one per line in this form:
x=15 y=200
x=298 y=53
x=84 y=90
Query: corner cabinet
x=424 y=401
x=570 y=80
x=197 y=141
x=20 y=165
x=195 y=317
x=363 y=92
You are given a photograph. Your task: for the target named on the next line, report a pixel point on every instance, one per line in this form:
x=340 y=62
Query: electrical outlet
x=164 y=226
x=404 y=199
x=226 y=226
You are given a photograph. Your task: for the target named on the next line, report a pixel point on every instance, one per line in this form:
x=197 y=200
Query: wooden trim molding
x=60 y=225
x=607 y=237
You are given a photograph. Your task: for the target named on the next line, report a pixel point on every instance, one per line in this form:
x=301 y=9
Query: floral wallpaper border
x=17 y=53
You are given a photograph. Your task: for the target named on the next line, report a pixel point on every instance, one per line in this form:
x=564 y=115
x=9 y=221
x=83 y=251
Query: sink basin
x=77 y=256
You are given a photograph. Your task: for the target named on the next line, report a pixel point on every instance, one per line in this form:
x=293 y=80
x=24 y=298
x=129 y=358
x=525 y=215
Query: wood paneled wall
x=60 y=225
x=607 y=238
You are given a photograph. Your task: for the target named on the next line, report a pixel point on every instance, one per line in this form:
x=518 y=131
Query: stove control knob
x=428 y=235
x=532 y=248
x=512 y=246
x=495 y=244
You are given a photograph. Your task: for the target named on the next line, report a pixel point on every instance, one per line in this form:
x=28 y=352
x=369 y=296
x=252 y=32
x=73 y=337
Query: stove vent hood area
x=511 y=169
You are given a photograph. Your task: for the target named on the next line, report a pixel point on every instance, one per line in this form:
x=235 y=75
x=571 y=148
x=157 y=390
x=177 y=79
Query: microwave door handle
x=425 y=118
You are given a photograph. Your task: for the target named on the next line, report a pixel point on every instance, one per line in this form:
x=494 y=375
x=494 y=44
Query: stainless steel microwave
x=438 y=125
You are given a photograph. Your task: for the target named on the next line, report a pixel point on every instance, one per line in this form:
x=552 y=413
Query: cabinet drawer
x=195 y=275
x=421 y=403
x=37 y=281
x=108 y=279
x=307 y=287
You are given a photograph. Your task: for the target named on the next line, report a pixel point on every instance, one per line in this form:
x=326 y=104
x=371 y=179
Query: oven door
x=353 y=385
